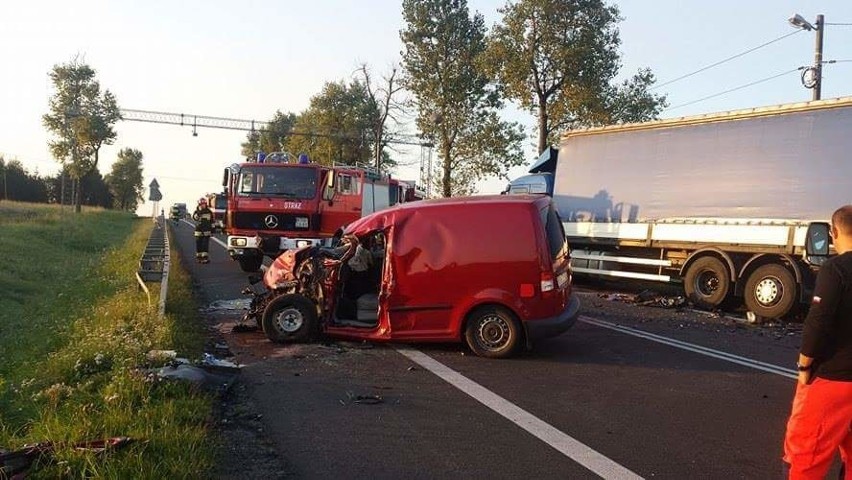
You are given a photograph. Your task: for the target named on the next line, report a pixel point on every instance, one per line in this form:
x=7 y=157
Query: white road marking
x=728 y=357
x=220 y=242
x=568 y=446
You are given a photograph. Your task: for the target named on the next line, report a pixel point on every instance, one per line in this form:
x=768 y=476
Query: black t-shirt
x=827 y=335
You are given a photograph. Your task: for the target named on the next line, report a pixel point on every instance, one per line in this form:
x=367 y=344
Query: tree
x=81 y=118
x=125 y=180
x=456 y=102
x=558 y=59
x=337 y=126
x=387 y=107
x=18 y=184
x=272 y=138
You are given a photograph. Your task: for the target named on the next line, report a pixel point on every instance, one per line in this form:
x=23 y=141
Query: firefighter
x=203 y=229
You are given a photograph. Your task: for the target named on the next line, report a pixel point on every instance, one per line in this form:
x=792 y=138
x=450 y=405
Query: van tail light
x=548 y=284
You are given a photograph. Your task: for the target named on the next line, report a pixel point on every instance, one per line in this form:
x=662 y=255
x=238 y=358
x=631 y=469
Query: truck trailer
x=733 y=205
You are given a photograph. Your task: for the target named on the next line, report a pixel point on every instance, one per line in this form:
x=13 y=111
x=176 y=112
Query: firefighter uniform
x=203 y=217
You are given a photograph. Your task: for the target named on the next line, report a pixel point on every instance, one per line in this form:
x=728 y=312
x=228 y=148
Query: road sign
x=154 y=184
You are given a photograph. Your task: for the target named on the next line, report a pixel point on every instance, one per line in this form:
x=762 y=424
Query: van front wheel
x=493 y=332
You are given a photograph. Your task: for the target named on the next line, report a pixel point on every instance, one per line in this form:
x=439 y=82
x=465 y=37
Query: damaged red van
x=492 y=271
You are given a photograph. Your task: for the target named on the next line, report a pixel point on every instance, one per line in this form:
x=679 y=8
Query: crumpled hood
x=283 y=268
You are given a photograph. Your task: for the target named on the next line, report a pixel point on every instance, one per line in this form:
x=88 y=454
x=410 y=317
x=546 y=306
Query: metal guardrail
x=154 y=262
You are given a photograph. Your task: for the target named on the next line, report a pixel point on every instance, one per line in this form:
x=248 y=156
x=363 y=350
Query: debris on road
x=210 y=373
x=647 y=298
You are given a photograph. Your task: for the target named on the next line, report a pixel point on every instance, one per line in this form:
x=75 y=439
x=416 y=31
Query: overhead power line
x=830 y=23
x=720 y=62
x=735 y=88
x=206 y=121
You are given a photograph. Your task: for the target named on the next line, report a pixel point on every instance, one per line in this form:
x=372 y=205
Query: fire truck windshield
x=289 y=182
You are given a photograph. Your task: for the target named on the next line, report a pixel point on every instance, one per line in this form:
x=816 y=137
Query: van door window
x=554 y=232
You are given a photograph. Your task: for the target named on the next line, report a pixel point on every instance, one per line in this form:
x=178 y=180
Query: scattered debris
x=412 y=368
x=648 y=298
x=14 y=464
x=210 y=373
x=244 y=327
x=161 y=355
x=227 y=305
x=369 y=399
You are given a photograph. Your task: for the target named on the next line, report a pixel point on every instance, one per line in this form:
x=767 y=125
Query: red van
x=492 y=271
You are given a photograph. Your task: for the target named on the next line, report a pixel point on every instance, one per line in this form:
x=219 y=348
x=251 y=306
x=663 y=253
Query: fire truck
x=218 y=204
x=275 y=203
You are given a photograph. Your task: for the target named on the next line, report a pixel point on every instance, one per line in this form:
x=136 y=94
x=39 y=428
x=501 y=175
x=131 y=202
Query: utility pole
x=820 y=29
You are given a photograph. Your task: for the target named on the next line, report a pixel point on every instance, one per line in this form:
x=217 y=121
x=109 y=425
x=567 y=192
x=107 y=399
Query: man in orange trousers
x=821 y=417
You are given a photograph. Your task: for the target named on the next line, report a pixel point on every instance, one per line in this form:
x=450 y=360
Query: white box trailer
x=734 y=205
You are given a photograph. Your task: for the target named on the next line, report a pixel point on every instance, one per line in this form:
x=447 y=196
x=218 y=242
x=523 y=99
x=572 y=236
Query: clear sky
x=247 y=59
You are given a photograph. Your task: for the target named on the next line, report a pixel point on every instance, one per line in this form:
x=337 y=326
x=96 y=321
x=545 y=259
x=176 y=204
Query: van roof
x=401 y=212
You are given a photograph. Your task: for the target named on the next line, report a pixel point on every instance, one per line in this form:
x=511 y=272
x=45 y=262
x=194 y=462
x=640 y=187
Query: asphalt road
x=630 y=392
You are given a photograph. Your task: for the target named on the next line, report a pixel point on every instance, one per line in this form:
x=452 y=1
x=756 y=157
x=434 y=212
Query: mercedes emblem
x=271 y=221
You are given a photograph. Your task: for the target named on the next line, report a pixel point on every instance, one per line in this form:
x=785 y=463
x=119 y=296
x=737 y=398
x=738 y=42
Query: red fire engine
x=275 y=204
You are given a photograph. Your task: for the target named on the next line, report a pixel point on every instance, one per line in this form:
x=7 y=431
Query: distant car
x=492 y=271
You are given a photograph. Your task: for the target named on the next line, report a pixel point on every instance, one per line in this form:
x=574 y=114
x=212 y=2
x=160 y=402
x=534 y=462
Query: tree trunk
x=78 y=193
x=446 y=184
x=542 y=126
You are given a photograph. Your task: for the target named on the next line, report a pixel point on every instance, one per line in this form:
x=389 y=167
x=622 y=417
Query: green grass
x=74 y=330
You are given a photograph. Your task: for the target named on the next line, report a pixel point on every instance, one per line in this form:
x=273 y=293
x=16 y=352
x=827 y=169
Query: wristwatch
x=803 y=368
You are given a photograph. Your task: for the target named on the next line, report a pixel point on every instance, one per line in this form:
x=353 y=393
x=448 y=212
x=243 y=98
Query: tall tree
x=384 y=94
x=457 y=103
x=558 y=60
x=337 y=126
x=272 y=138
x=125 y=179
x=81 y=118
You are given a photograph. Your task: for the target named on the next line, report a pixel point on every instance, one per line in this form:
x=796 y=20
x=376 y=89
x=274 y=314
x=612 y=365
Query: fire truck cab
x=276 y=204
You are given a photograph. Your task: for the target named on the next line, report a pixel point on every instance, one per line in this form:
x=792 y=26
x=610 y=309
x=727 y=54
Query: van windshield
x=554 y=233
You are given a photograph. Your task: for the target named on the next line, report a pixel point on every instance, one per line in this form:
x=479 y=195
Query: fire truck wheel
x=493 y=332
x=707 y=283
x=250 y=263
x=771 y=291
x=290 y=318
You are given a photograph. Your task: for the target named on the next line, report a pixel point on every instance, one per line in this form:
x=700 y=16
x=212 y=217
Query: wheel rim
x=768 y=291
x=706 y=283
x=289 y=320
x=493 y=333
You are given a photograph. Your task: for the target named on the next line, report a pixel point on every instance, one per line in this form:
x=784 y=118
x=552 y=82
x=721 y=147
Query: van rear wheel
x=493 y=332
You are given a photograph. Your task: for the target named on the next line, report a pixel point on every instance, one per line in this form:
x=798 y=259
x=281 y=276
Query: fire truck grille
x=272 y=221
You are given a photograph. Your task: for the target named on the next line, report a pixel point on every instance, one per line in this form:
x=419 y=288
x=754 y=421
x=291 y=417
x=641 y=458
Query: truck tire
x=707 y=283
x=771 y=291
x=493 y=332
x=290 y=318
x=250 y=263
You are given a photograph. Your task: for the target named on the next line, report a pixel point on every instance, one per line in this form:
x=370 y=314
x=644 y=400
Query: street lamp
x=812 y=76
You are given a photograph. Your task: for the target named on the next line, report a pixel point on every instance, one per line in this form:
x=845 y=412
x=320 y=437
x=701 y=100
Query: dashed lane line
x=565 y=444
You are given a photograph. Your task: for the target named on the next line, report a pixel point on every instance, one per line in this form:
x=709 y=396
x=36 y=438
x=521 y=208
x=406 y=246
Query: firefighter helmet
x=202 y=201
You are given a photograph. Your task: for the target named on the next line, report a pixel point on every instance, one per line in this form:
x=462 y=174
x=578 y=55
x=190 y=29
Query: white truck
x=735 y=205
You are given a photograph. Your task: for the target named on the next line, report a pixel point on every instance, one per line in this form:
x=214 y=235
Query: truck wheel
x=250 y=263
x=770 y=291
x=707 y=283
x=493 y=332
x=290 y=318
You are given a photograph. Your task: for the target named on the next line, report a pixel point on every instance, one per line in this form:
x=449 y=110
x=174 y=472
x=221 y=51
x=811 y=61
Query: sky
x=248 y=59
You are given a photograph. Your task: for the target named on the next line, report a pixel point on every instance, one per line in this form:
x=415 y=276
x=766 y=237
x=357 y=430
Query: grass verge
x=74 y=331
